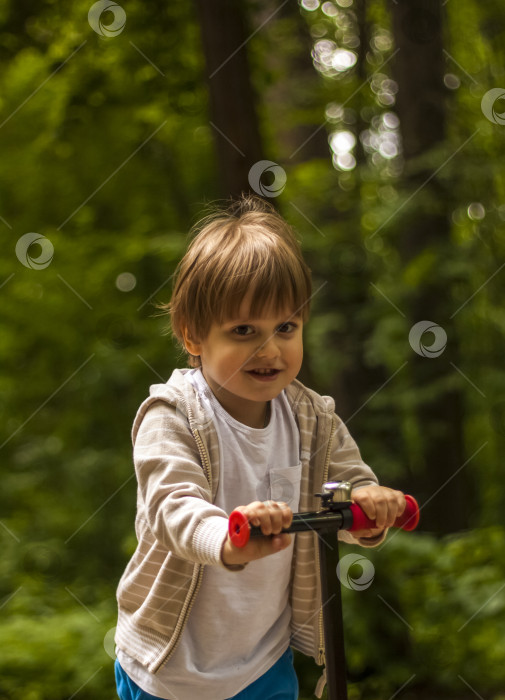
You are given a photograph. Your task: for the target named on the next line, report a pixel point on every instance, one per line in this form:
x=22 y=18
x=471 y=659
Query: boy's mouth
x=264 y=373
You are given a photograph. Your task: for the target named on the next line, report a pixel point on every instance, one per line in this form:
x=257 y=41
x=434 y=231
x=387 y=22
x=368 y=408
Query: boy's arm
x=174 y=493
x=379 y=502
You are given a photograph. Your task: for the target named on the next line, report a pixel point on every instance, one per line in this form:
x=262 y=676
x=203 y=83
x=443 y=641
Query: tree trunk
x=293 y=96
x=232 y=101
x=418 y=70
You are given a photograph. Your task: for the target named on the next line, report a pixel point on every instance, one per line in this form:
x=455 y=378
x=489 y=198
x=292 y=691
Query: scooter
x=338 y=512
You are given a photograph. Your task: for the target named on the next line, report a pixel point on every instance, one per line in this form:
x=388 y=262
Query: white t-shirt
x=239 y=623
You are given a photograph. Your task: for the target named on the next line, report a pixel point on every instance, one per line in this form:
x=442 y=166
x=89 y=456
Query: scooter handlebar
x=240 y=530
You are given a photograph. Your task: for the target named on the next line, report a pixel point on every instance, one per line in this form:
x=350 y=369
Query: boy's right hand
x=272 y=517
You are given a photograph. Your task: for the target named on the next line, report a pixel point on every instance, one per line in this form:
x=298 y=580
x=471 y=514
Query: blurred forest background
x=382 y=124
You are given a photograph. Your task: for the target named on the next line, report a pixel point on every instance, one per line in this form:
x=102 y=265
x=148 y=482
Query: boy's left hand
x=381 y=504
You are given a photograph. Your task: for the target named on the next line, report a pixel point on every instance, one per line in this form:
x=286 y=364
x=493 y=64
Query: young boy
x=197 y=615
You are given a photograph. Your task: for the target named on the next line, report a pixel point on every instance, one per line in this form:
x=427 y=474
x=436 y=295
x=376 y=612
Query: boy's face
x=249 y=361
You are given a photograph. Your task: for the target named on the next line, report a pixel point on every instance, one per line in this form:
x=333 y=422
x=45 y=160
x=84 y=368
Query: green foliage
x=434 y=616
x=58 y=653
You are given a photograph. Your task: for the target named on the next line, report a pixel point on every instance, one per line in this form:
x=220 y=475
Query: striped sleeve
x=174 y=491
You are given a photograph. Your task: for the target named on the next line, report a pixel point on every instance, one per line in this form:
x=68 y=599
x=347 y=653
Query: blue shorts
x=278 y=683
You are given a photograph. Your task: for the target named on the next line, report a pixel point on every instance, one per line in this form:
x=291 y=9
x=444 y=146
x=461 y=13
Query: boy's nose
x=268 y=349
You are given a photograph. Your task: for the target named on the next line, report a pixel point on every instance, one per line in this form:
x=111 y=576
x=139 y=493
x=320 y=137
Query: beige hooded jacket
x=179 y=530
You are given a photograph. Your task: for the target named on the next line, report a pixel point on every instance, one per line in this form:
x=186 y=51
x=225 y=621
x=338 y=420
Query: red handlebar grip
x=238 y=529
x=408 y=520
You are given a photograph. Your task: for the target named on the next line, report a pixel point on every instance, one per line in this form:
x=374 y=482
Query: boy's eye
x=287 y=327
x=242 y=330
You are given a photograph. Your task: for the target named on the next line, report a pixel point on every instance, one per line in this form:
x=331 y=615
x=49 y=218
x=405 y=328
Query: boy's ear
x=192 y=346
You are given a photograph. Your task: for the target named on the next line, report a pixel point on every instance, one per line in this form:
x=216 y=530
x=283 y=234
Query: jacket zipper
x=208 y=473
x=321 y=654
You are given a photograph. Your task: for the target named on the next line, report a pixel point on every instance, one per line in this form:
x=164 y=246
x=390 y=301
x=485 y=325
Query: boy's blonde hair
x=247 y=247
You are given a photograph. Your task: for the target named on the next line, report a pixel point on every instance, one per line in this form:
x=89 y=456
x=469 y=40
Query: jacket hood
x=177 y=392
